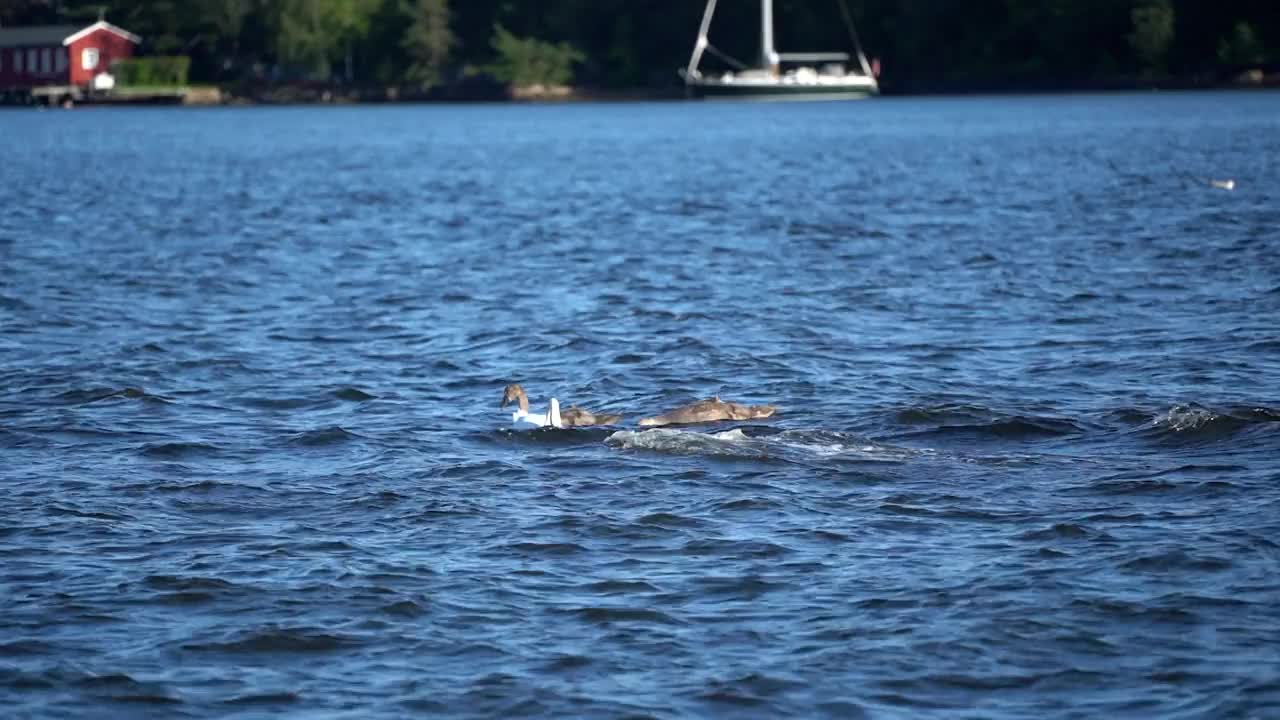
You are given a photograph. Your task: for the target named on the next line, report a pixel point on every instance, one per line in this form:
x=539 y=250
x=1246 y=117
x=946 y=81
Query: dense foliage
x=923 y=44
x=152 y=71
x=528 y=61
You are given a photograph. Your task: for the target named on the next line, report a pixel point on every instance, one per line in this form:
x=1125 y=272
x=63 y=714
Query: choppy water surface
x=1027 y=461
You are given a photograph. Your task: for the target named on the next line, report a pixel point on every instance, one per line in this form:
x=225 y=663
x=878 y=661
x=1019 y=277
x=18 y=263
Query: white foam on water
x=685 y=442
x=789 y=444
x=1181 y=417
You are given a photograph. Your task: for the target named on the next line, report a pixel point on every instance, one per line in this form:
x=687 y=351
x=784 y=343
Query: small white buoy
x=1224 y=184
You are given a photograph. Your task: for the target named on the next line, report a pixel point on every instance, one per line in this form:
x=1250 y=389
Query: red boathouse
x=60 y=55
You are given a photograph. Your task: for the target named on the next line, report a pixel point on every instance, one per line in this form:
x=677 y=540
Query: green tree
x=528 y=61
x=314 y=32
x=1242 y=47
x=353 y=19
x=23 y=12
x=306 y=35
x=152 y=71
x=1152 y=33
x=428 y=39
x=226 y=21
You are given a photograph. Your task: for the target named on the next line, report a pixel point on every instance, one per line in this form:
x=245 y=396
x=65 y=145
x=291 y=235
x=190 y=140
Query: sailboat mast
x=700 y=45
x=768 y=54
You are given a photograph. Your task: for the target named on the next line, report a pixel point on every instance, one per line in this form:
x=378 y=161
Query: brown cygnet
x=578 y=417
x=710 y=410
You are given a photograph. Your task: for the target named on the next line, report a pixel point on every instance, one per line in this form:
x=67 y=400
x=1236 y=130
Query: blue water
x=1027 y=462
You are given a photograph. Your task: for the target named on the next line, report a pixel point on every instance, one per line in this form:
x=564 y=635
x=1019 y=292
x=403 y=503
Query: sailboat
x=768 y=80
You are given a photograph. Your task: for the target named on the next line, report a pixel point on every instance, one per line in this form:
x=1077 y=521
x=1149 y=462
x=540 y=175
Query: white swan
x=524 y=419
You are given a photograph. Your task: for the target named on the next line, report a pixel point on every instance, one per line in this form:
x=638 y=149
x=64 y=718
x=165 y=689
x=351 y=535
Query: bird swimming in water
x=522 y=417
x=578 y=417
x=710 y=410
x=572 y=417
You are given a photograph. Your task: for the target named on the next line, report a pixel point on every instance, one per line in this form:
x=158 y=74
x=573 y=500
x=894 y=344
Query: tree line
x=922 y=44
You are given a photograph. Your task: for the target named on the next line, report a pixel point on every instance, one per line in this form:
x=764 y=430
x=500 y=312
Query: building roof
x=102 y=25
x=37 y=35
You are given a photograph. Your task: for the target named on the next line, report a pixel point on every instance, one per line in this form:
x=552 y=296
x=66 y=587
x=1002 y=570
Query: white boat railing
x=814 y=57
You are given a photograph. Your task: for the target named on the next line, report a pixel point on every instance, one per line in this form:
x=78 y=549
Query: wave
x=786 y=445
x=1060 y=531
x=108 y=687
x=185 y=598
x=267 y=403
x=1196 y=423
x=92 y=395
x=549 y=549
x=968 y=420
x=283 y=640
x=353 y=394
x=13 y=439
x=611 y=615
x=1177 y=560
x=194 y=582
x=169 y=450
x=756 y=693
x=404 y=608
x=119 y=687
x=270 y=698
x=73 y=511
x=1177 y=424
x=323 y=437
x=13 y=303
x=619 y=587
x=175 y=590
x=20 y=648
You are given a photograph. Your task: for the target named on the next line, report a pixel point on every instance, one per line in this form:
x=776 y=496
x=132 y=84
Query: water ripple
x=1025 y=460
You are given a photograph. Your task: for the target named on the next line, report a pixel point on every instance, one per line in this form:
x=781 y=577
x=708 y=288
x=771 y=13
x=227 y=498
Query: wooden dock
x=71 y=95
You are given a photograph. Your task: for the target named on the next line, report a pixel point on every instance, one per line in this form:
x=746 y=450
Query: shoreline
x=487 y=92
x=492 y=93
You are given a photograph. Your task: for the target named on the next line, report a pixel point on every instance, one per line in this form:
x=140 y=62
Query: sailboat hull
x=712 y=90
x=792 y=94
